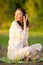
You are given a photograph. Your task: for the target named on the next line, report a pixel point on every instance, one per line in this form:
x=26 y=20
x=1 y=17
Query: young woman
x=18 y=38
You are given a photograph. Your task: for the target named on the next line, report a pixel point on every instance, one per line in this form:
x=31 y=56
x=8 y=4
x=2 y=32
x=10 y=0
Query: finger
x=24 y=19
x=26 y=16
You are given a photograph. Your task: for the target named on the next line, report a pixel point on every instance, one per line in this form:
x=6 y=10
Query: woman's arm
x=25 y=30
x=26 y=38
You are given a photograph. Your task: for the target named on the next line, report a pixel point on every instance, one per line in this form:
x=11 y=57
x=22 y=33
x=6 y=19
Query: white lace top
x=17 y=37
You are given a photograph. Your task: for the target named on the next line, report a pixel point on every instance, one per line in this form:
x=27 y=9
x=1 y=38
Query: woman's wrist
x=24 y=26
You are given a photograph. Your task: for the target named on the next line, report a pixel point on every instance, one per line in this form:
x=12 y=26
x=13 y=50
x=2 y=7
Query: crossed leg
x=29 y=52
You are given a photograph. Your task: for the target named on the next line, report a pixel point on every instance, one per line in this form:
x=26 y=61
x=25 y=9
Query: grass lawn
x=31 y=40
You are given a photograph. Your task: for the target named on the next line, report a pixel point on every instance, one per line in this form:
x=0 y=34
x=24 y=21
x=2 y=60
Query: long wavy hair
x=24 y=13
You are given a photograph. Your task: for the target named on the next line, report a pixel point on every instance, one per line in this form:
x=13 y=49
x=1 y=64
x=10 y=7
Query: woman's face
x=18 y=16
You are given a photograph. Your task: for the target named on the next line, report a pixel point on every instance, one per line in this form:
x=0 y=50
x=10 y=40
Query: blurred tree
x=34 y=9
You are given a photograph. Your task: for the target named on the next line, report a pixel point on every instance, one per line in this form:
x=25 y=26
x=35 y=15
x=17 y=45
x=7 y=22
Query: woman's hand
x=25 y=18
x=24 y=21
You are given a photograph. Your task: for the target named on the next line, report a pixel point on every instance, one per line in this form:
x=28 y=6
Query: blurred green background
x=34 y=9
